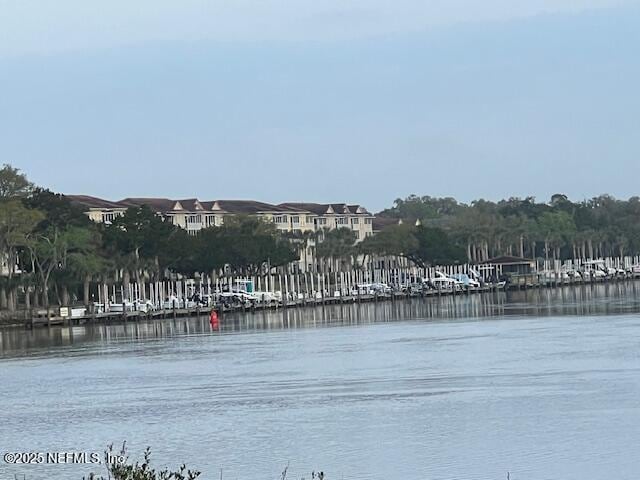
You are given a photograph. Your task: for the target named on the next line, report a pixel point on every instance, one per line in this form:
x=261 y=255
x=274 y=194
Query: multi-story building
x=97 y=209
x=338 y=215
x=194 y=215
x=288 y=219
x=188 y=213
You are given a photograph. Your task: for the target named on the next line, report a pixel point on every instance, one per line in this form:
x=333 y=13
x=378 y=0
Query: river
x=542 y=384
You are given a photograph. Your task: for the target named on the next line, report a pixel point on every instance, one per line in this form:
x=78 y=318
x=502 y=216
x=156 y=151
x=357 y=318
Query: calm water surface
x=543 y=384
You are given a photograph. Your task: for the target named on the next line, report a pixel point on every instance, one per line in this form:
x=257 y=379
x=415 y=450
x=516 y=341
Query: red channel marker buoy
x=213 y=320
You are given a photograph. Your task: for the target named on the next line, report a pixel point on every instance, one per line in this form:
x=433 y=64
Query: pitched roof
x=242 y=206
x=190 y=204
x=328 y=208
x=358 y=209
x=157 y=204
x=340 y=208
x=224 y=206
x=316 y=208
x=87 y=201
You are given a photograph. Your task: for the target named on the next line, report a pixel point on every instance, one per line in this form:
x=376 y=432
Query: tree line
x=560 y=229
x=52 y=252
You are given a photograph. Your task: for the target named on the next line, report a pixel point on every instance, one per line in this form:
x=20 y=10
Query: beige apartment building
x=194 y=215
x=286 y=219
x=338 y=215
x=97 y=209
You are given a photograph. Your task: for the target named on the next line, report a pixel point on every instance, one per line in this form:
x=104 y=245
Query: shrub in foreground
x=119 y=467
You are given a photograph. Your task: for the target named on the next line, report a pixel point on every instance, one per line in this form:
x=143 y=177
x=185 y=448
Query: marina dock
x=311 y=301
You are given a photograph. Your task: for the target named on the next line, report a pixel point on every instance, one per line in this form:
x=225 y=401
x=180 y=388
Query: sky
x=327 y=101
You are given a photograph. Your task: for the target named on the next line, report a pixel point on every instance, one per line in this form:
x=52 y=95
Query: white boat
x=596 y=269
x=373 y=288
x=244 y=290
x=125 y=306
x=552 y=275
x=268 y=297
x=441 y=281
x=475 y=275
x=465 y=280
x=145 y=306
x=571 y=272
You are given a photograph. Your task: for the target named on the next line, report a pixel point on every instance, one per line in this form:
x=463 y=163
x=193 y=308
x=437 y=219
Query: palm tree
x=301 y=240
x=338 y=247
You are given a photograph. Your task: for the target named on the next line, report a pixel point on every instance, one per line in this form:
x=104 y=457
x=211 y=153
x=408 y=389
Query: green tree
x=423 y=245
x=16 y=223
x=50 y=251
x=85 y=262
x=337 y=247
x=558 y=229
x=13 y=184
x=57 y=208
x=395 y=240
x=141 y=239
x=246 y=244
x=436 y=248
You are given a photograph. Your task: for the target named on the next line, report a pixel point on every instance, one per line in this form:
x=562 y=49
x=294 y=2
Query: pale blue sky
x=359 y=101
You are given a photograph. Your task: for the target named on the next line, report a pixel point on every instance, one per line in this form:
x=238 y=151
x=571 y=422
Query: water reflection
x=542 y=383
x=602 y=299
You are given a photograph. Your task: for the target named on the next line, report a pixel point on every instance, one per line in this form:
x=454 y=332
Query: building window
x=191 y=219
x=210 y=220
x=309 y=219
x=355 y=221
x=321 y=221
x=368 y=221
x=341 y=221
x=280 y=219
x=295 y=219
x=109 y=217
